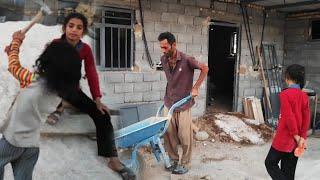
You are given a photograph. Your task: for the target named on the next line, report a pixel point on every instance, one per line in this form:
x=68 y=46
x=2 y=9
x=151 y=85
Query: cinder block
x=114 y=77
x=142 y=87
x=133 y=97
x=159 y=86
x=199 y=20
x=192 y=11
x=151 y=76
x=244 y=84
x=162 y=27
x=159 y=6
x=194 y=29
x=170 y=1
x=204 y=49
x=241 y=91
x=206 y=12
x=182 y=47
x=259 y=92
x=149 y=26
x=199 y=39
x=176 y=8
x=169 y=17
x=123 y=88
x=233 y=8
x=152 y=36
x=204 y=30
x=151 y=16
x=194 y=48
x=133 y=77
x=188 y=2
x=107 y=88
x=113 y=99
x=187 y=20
x=249 y=92
x=146 y=4
x=184 y=38
x=256 y=84
x=156 y=47
x=220 y=6
x=203 y=3
x=178 y=28
x=151 y=96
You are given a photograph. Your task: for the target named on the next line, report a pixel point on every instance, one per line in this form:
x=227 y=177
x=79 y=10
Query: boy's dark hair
x=60 y=67
x=168 y=36
x=77 y=16
x=296 y=73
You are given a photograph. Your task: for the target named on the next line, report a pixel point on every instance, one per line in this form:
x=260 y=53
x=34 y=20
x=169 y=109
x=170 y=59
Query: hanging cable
x=144 y=39
x=248 y=32
x=263 y=26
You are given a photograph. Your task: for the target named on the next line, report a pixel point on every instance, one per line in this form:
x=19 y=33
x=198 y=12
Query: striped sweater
x=24 y=76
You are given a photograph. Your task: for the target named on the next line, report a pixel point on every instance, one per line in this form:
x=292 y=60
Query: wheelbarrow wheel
x=141 y=164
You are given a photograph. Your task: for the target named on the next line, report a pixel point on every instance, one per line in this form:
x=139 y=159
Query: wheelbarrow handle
x=178 y=104
x=171 y=110
x=174 y=106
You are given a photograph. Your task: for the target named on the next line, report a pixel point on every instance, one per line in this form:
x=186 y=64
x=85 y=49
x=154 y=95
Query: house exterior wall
x=300 y=50
x=184 y=18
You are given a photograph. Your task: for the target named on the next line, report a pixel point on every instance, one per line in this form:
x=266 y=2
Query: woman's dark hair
x=168 y=36
x=60 y=66
x=77 y=16
x=296 y=73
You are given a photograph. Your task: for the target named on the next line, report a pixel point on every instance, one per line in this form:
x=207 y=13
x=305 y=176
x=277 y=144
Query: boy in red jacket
x=294 y=121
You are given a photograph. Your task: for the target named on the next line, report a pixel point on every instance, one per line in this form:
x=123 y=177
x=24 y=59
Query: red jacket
x=85 y=53
x=294 y=119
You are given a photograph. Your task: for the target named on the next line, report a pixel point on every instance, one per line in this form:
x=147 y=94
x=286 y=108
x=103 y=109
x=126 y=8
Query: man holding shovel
x=179 y=69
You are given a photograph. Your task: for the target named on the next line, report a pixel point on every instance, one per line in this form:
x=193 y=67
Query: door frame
x=237 y=62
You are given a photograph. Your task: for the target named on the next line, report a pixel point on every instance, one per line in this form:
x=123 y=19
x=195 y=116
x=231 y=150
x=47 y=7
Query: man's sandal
x=126 y=173
x=54 y=117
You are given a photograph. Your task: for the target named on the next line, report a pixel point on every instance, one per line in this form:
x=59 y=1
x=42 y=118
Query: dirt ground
x=230 y=161
x=220 y=158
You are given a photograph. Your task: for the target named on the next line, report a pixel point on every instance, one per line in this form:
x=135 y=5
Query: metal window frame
x=310 y=30
x=102 y=25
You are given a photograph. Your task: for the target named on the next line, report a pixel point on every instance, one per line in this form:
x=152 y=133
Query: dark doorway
x=223 y=51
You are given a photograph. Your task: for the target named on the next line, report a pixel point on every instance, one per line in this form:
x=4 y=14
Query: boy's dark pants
x=288 y=164
x=104 y=128
x=22 y=160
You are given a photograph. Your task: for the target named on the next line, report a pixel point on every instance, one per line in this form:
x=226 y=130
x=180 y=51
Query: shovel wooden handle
x=34 y=20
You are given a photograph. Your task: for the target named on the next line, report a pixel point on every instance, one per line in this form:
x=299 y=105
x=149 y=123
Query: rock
x=212 y=140
x=202 y=135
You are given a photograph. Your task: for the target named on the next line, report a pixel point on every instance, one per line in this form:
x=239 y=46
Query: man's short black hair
x=296 y=73
x=168 y=36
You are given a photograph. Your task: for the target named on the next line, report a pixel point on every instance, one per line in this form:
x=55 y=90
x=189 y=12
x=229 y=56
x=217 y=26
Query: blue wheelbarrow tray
x=140 y=131
x=146 y=132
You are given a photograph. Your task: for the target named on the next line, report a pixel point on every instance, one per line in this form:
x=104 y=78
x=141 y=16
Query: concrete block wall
x=300 y=50
x=185 y=18
x=147 y=85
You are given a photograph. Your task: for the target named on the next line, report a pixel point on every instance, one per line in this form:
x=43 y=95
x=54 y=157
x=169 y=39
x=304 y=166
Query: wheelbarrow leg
x=163 y=152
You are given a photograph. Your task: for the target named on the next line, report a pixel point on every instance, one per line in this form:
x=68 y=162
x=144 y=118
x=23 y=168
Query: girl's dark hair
x=77 y=16
x=60 y=66
x=168 y=36
x=296 y=73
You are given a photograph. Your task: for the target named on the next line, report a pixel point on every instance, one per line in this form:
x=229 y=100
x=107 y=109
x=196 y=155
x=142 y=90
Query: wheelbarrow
x=147 y=132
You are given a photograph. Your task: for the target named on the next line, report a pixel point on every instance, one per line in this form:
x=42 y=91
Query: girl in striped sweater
x=58 y=72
